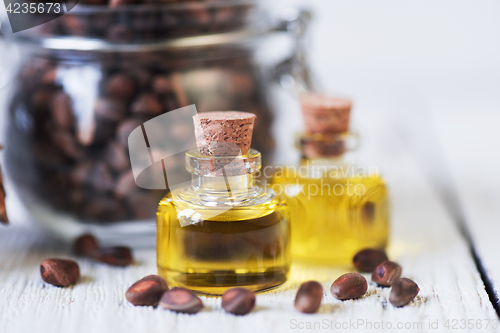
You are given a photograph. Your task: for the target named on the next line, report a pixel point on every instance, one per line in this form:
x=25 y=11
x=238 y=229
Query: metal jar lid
x=150 y=27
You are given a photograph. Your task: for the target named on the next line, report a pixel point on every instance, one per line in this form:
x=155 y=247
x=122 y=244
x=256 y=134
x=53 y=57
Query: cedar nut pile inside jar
x=72 y=109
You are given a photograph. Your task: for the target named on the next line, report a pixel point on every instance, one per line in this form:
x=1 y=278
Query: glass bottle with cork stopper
x=223 y=230
x=338 y=207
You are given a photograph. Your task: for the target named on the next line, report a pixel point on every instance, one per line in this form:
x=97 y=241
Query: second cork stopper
x=325 y=114
x=224 y=133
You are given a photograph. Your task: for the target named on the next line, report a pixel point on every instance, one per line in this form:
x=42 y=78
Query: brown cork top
x=325 y=114
x=223 y=133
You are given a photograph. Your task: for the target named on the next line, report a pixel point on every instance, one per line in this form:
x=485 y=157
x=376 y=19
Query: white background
x=436 y=58
x=442 y=55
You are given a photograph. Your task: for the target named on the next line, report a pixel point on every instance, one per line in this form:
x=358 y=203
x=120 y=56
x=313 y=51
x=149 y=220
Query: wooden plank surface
x=424 y=241
x=471 y=142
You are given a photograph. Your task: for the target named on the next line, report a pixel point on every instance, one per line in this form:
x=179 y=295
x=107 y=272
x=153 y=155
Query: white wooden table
x=425 y=241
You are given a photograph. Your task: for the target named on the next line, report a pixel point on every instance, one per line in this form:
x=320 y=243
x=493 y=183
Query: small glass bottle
x=337 y=206
x=223 y=230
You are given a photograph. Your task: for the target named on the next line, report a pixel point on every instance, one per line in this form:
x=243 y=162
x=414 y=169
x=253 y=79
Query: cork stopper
x=325 y=114
x=223 y=133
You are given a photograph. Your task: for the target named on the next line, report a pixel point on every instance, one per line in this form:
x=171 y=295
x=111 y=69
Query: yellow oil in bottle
x=211 y=249
x=334 y=217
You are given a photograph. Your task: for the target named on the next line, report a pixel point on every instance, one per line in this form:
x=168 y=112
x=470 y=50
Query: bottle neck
x=326 y=148
x=223 y=181
x=322 y=154
x=244 y=182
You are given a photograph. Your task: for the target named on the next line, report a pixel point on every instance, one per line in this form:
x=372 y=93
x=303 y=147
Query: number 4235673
x=32 y=8
x=471 y=324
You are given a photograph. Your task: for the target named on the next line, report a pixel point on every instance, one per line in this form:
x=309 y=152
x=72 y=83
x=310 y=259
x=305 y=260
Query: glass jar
x=338 y=206
x=211 y=237
x=95 y=74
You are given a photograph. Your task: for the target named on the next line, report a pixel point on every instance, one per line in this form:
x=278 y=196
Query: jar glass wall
x=70 y=114
x=96 y=73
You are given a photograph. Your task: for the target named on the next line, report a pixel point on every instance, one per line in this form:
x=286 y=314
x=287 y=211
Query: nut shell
x=86 y=245
x=349 y=286
x=308 y=298
x=116 y=256
x=181 y=300
x=238 y=301
x=3 y=212
x=59 y=272
x=368 y=259
x=403 y=291
x=386 y=273
x=147 y=291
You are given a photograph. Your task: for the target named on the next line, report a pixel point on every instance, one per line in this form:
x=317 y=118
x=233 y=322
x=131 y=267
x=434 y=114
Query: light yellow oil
x=332 y=217
x=246 y=246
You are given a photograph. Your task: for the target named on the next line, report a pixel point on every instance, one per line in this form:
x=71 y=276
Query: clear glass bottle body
x=211 y=238
x=338 y=207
